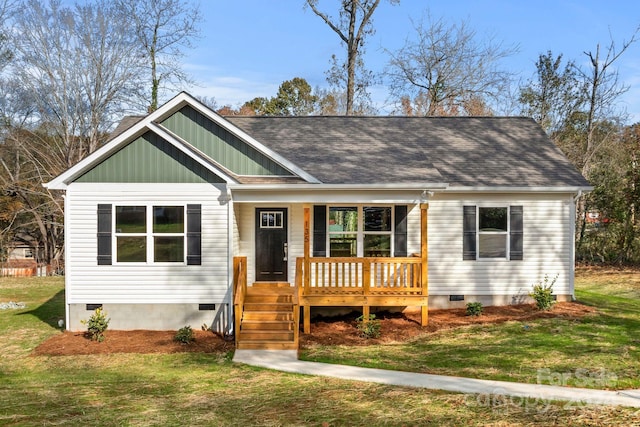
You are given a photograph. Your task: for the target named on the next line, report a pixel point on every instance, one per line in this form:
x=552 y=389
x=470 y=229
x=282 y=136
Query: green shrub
x=474 y=308
x=184 y=335
x=543 y=293
x=370 y=328
x=97 y=324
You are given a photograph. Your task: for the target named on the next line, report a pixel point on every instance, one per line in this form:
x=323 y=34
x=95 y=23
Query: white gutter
x=508 y=189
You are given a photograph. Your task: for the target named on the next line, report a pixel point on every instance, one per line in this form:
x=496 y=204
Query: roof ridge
x=373 y=117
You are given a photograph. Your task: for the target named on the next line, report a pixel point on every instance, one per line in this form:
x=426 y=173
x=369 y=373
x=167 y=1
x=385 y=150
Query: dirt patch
x=324 y=331
x=140 y=341
x=404 y=326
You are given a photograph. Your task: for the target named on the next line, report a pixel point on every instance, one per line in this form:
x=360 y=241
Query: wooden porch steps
x=268 y=319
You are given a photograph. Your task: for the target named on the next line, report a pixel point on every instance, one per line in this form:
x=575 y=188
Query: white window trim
x=149 y=234
x=360 y=233
x=507 y=233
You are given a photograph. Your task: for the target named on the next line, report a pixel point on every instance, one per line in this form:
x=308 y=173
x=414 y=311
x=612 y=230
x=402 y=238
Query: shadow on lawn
x=50 y=311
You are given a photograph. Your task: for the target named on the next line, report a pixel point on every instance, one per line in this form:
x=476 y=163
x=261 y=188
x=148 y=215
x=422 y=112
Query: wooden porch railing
x=363 y=276
x=362 y=282
x=240 y=291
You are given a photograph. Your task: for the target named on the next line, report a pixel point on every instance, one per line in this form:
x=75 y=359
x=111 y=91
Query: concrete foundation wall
x=159 y=317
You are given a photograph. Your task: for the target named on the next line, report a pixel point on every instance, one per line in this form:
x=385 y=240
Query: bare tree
x=603 y=90
x=352 y=26
x=75 y=66
x=445 y=70
x=5 y=51
x=72 y=76
x=163 y=29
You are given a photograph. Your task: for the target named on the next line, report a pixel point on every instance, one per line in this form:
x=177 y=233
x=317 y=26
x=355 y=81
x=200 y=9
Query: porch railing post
x=306 y=268
x=424 y=255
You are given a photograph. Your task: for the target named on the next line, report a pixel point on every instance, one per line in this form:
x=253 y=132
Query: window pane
x=342 y=245
x=377 y=245
x=132 y=249
x=168 y=219
x=168 y=249
x=377 y=219
x=493 y=219
x=343 y=219
x=271 y=220
x=493 y=245
x=131 y=219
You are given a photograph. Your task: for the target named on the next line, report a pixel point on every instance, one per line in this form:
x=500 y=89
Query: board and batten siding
x=88 y=282
x=548 y=246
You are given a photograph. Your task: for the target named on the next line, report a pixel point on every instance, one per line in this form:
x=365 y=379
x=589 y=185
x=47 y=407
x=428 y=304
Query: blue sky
x=249 y=47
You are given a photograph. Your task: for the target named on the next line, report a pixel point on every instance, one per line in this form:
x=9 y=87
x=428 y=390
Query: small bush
x=184 y=335
x=474 y=308
x=97 y=324
x=370 y=328
x=543 y=293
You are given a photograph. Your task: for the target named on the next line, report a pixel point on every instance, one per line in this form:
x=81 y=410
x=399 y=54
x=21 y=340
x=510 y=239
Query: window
x=378 y=231
x=168 y=233
x=356 y=231
x=154 y=233
x=360 y=231
x=149 y=234
x=492 y=232
x=131 y=229
x=343 y=231
x=271 y=219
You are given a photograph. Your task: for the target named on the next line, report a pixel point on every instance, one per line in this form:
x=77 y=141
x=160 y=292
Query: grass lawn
x=205 y=389
x=597 y=351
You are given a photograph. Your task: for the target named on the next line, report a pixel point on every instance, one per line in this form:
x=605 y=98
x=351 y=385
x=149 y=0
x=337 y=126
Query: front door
x=271 y=244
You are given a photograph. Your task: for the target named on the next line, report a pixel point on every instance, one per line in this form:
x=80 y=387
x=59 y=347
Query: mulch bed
x=324 y=331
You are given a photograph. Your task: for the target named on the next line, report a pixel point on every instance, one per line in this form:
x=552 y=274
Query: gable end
x=221 y=145
x=149 y=159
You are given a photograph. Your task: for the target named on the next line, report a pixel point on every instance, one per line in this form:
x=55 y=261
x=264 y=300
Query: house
x=20 y=258
x=188 y=218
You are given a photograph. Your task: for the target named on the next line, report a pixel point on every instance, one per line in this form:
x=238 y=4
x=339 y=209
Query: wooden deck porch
x=326 y=282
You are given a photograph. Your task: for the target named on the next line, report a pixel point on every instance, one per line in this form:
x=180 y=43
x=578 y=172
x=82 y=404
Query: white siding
x=548 y=244
x=296 y=237
x=88 y=282
x=548 y=247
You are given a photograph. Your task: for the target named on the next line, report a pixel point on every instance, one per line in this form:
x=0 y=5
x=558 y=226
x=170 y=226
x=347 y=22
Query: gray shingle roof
x=460 y=151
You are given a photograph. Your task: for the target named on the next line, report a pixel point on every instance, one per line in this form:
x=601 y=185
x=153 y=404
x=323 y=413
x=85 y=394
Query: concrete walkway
x=287 y=361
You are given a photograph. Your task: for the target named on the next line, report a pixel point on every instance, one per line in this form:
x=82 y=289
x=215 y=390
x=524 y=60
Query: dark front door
x=271 y=244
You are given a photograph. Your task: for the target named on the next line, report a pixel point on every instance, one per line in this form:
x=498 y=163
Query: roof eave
x=519 y=189
x=429 y=186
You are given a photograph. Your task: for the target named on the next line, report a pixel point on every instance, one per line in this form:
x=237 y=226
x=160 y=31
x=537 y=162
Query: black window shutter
x=104 y=235
x=515 y=233
x=469 y=233
x=194 y=234
x=400 y=234
x=319 y=230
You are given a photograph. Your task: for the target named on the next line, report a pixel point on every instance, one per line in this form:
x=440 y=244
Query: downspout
x=67 y=311
x=577 y=196
x=572 y=270
x=230 y=221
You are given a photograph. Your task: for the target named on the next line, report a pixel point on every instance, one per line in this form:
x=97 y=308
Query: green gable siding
x=225 y=148
x=150 y=159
